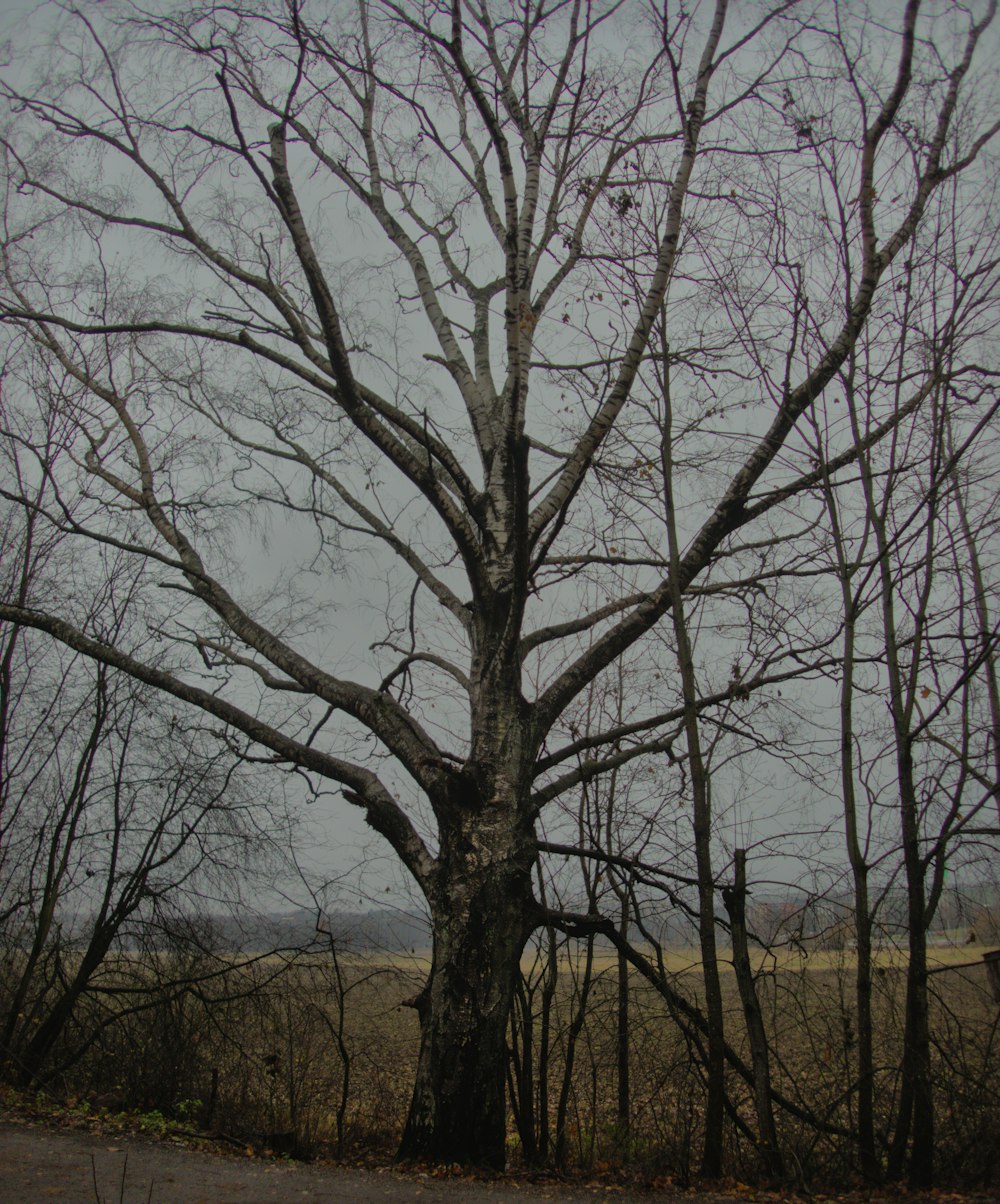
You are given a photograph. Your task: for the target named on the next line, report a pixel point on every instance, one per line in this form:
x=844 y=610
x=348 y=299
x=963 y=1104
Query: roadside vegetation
x=312 y=1055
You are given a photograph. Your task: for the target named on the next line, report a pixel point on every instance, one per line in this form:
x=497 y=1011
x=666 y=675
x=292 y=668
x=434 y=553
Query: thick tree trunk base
x=481 y=920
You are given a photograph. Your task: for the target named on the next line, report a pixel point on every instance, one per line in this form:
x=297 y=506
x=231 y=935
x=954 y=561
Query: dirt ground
x=40 y=1163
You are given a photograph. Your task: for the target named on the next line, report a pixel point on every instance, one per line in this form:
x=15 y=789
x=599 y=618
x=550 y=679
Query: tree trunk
x=520 y=1068
x=572 y=1037
x=735 y=901
x=32 y=1058
x=701 y=807
x=868 y=1157
x=622 y=1041
x=916 y=1118
x=482 y=913
x=715 y=1067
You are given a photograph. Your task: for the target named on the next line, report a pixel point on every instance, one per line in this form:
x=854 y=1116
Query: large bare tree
x=377 y=293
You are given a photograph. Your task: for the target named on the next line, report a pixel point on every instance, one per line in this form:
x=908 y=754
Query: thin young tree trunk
x=735 y=901
x=622 y=1033
x=621 y=893
x=520 y=1068
x=846 y=568
x=984 y=624
x=715 y=1103
x=867 y=1155
x=31 y=1061
x=575 y=1028
x=915 y=1123
x=545 y=1040
x=580 y=1015
x=915 y=1119
x=701 y=800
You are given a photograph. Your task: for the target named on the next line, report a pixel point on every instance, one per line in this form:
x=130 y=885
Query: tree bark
x=735 y=901
x=482 y=913
x=856 y=849
x=701 y=805
x=622 y=1034
x=916 y=1111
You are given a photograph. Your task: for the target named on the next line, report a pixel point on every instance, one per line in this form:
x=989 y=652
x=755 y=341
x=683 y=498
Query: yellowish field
x=681 y=961
x=688 y=960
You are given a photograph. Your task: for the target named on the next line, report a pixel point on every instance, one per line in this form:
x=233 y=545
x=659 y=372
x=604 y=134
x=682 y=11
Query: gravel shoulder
x=40 y=1163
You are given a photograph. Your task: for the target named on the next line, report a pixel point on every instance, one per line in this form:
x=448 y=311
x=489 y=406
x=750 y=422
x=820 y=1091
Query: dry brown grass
x=268 y=1043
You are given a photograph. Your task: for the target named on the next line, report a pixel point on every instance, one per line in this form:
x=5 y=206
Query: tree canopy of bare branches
x=405 y=318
